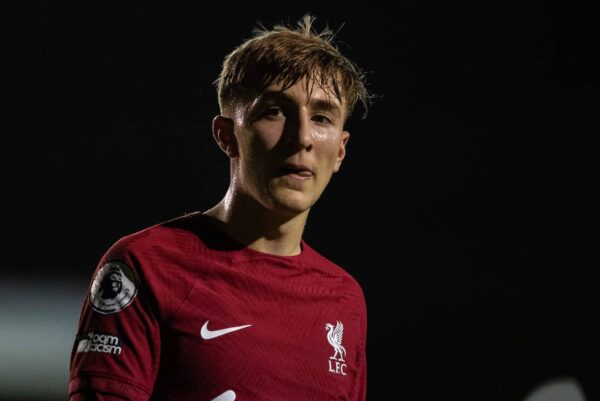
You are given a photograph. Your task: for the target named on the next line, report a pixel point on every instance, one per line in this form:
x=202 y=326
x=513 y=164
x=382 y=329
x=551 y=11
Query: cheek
x=328 y=147
x=266 y=134
x=254 y=147
x=256 y=153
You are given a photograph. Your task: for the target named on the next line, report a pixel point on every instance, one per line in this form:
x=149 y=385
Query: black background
x=464 y=207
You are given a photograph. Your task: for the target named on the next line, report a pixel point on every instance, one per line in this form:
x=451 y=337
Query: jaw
x=293 y=195
x=291 y=200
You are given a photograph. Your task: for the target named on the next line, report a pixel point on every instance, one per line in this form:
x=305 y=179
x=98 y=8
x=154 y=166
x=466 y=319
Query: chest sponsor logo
x=335 y=335
x=114 y=288
x=208 y=334
x=99 y=342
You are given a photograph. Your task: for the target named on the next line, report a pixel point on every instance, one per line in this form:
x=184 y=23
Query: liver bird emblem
x=335 y=336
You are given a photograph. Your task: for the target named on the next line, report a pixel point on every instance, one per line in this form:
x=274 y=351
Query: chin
x=291 y=204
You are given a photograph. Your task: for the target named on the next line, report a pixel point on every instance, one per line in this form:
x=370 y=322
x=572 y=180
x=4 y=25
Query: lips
x=298 y=169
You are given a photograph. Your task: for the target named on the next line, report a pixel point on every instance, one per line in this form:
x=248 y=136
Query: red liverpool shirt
x=179 y=311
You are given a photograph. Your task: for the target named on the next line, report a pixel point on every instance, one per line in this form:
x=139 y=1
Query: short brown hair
x=285 y=56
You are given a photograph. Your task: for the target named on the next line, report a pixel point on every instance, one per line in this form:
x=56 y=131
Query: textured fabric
x=152 y=325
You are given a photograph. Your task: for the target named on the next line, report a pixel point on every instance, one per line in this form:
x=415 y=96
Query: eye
x=322 y=119
x=273 y=112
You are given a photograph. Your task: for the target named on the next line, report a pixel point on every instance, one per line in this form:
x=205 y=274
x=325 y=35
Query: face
x=288 y=146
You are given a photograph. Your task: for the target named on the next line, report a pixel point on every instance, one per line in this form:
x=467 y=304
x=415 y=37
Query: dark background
x=464 y=207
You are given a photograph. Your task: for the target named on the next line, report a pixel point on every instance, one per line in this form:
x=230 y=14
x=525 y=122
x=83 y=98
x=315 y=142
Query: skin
x=267 y=205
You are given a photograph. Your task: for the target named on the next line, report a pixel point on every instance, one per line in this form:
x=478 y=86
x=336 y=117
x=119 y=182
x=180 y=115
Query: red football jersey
x=179 y=311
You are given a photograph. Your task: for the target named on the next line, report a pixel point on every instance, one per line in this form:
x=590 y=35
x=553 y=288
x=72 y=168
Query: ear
x=222 y=129
x=341 y=151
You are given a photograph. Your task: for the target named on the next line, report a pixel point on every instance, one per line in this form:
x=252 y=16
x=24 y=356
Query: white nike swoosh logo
x=207 y=334
x=228 y=395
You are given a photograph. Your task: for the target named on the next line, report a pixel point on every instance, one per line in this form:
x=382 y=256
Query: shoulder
x=161 y=260
x=330 y=268
x=174 y=235
x=169 y=252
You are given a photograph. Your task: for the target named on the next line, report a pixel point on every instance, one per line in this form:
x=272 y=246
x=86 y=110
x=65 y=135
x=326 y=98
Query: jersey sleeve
x=117 y=348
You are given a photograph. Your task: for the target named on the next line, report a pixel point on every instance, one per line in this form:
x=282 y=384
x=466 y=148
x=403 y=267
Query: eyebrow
x=322 y=104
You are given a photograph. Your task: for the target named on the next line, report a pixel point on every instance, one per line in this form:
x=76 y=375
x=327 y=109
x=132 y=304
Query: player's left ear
x=341 y=151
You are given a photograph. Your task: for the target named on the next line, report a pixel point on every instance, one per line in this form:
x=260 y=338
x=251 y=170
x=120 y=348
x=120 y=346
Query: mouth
x=296 y=170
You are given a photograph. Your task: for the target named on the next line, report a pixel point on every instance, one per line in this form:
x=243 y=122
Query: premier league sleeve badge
x=114 y=287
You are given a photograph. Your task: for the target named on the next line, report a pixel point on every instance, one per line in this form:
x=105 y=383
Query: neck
x=258 y=228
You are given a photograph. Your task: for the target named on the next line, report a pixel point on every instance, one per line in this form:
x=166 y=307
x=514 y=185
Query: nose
x=301 y=132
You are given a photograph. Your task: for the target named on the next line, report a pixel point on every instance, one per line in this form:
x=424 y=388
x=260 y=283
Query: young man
x=231 y=303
